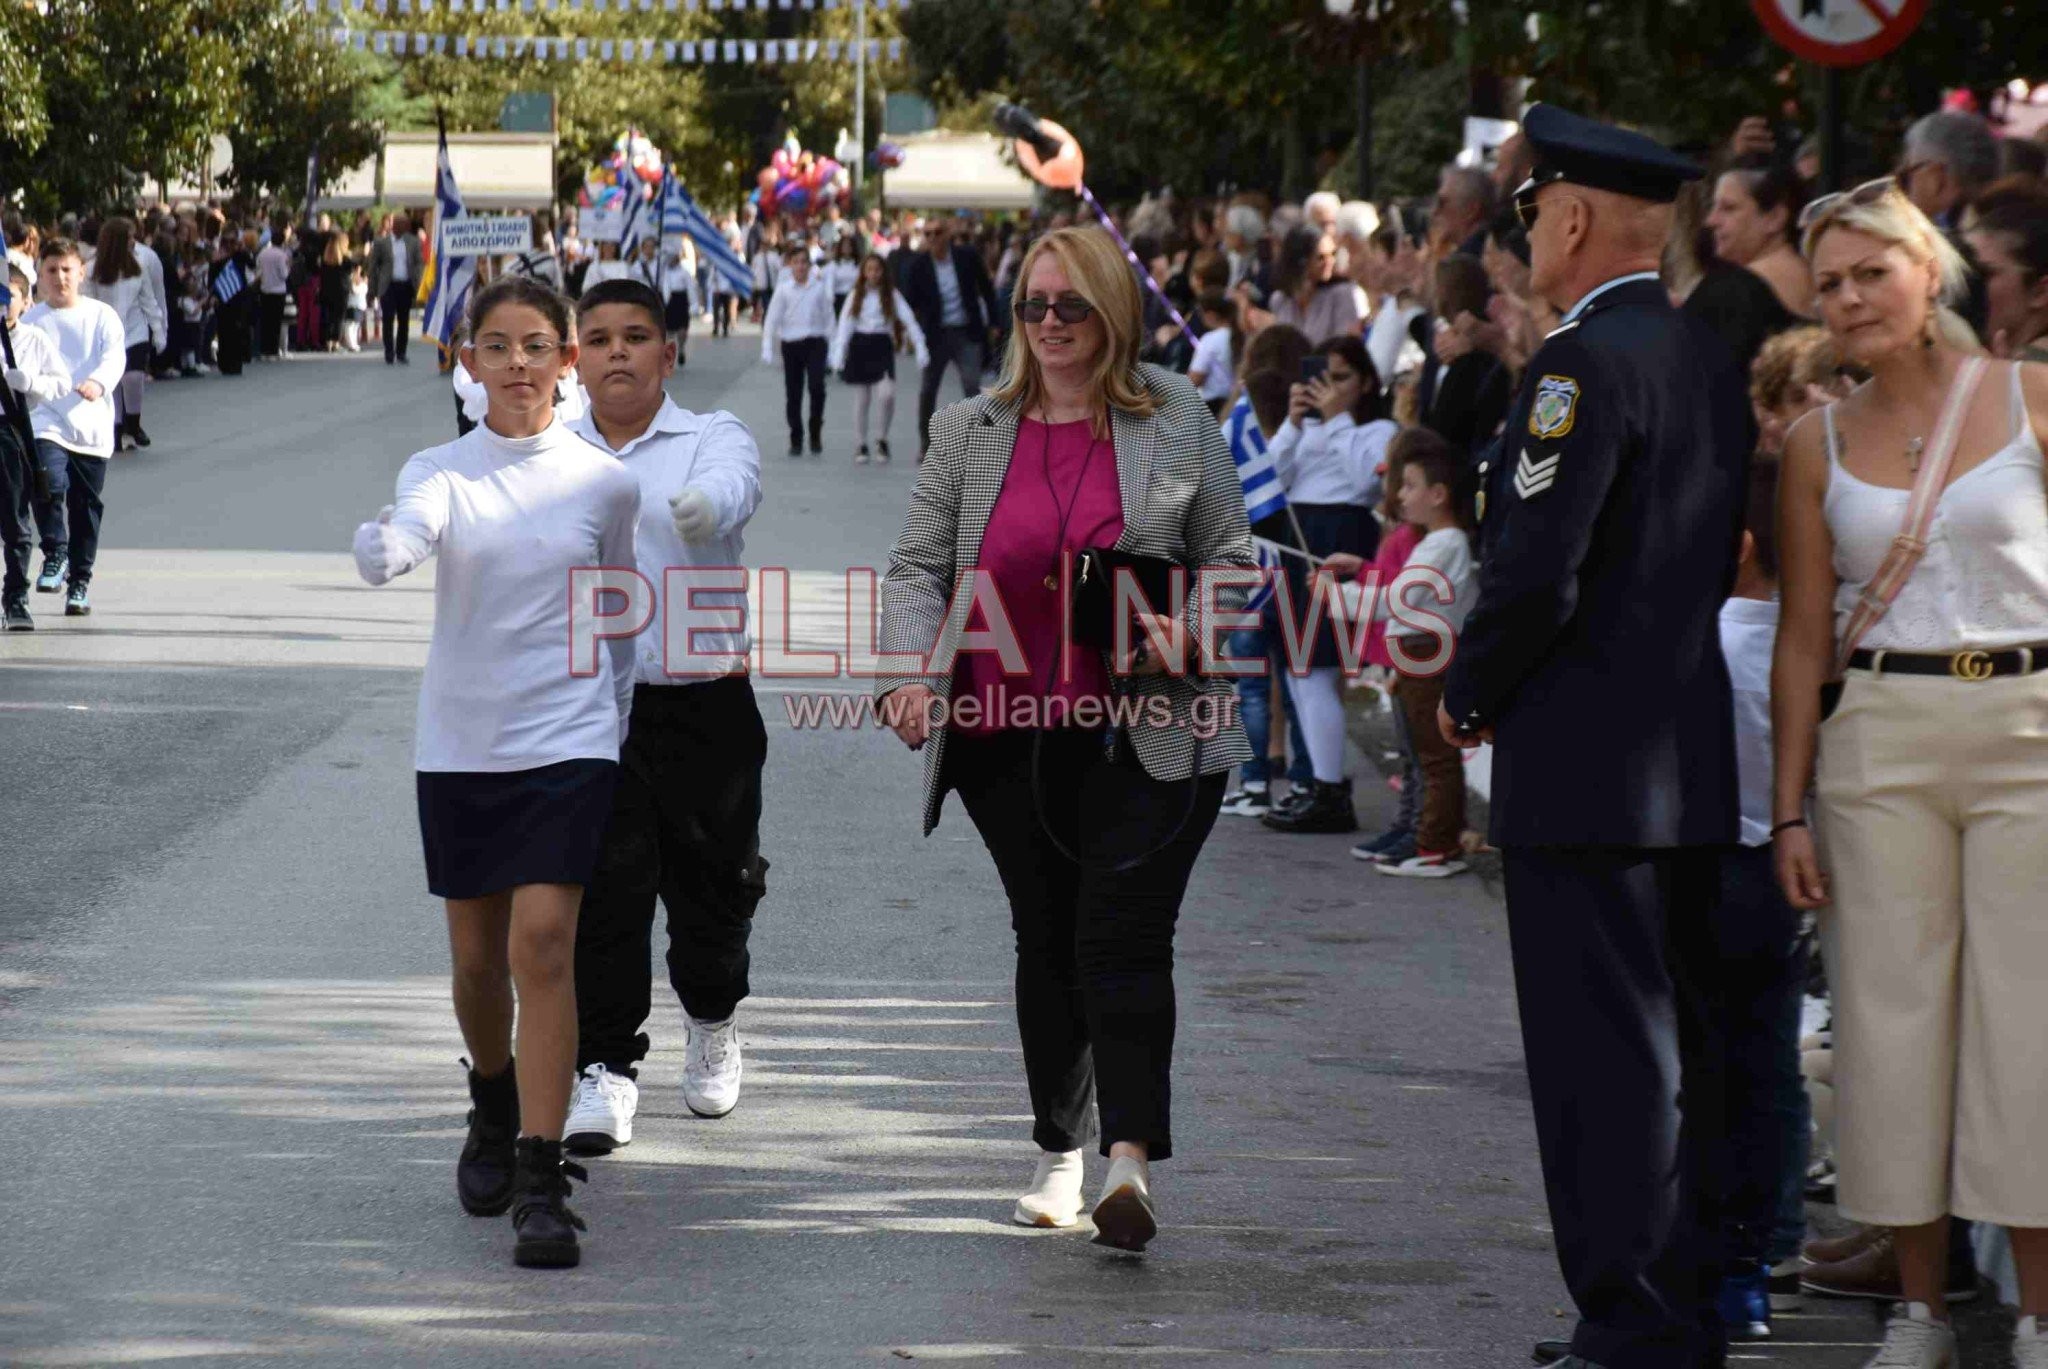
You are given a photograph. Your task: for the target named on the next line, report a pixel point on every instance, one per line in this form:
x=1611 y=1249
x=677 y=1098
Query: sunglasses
x=1065 y=310
x=1525 y=198
x=1870 y=192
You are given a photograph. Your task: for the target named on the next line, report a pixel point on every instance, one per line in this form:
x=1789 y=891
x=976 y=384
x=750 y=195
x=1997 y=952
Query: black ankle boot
x=483 y=1177
x=545 y=1227
x=133 y=423
x=1328 y=810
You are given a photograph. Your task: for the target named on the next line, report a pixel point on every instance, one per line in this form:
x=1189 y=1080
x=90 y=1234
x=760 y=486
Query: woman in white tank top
x=1930 y=777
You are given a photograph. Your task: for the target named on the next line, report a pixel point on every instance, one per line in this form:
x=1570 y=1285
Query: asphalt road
x=228 y=1069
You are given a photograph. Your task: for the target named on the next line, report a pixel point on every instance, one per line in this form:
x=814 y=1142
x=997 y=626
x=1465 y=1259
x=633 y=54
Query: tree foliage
x=301 y=95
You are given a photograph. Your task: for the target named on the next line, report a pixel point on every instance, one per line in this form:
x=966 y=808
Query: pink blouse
x=1395 y=548
x=1058 y=474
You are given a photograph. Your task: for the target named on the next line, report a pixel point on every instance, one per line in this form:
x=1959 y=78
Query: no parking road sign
x=1840 y=33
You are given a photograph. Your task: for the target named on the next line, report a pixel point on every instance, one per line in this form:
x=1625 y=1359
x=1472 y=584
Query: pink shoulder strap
x=1911 y=543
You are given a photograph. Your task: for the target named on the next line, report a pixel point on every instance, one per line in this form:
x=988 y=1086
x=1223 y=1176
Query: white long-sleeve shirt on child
x=93 y=346
x=1331 y=461
x=797 y=312
x=1447 y=551
x=1749 y=630
x=870 y=320
x=39 y=375
x=509 y=519
x=715 y=455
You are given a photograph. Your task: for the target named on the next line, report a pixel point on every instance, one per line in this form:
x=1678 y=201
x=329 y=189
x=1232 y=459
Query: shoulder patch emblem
x=1555 y=407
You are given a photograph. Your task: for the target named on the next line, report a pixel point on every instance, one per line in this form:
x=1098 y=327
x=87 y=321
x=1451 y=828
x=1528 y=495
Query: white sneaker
x=1125 y=1217
x=1424 y=865
x=2030 y=1345
x=1055 y=1196
x=1913 y=1339
x=711 y=1066
x=600 y=1112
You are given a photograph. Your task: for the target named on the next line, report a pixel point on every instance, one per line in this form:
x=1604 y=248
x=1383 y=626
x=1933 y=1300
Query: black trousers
x=70 y=516
x=17 y=512
x=1756 y=989
x=270 y=323
x=803 y=364
x=397 y=306
x=1613 y=950
x=1094 y=988
x=964 y=350
x=686 y=828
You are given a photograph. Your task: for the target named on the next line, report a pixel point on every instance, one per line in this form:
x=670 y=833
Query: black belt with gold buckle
x=1957 y=665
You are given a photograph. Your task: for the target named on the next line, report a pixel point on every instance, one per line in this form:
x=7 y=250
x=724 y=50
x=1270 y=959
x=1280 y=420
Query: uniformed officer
x=1592 y=660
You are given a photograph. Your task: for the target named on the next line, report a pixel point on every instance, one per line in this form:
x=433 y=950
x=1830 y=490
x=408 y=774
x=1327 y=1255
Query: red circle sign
x=1840 y=33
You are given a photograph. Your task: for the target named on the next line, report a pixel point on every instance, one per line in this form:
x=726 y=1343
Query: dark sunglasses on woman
x=1065 y=310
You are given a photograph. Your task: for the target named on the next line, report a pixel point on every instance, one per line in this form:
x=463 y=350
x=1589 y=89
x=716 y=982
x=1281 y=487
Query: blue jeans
x=1756 y=993
x=1255 y=706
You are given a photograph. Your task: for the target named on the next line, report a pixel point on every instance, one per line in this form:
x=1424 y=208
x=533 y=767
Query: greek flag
x=1263 y=496
x=680 y=214
x=639 y=223
x=452 y=275
x=229 y=281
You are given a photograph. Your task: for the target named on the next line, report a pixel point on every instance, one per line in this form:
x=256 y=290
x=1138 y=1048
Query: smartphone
x=1312 y=367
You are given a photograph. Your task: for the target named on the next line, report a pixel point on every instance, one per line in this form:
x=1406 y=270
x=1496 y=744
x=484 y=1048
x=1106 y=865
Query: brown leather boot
x=1873 y=1273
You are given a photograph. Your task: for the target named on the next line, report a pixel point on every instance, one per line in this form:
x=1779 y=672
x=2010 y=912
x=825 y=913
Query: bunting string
x=746 y=51
x=409 y=7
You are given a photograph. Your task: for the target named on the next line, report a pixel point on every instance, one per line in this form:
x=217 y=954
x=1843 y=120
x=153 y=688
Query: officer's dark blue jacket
x=1612 y=522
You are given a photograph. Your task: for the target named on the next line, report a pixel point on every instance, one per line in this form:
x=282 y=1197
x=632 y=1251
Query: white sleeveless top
x=1983 y=582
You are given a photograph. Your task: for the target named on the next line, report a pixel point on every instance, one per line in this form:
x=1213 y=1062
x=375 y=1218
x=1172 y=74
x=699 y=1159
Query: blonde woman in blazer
x=1079 y=446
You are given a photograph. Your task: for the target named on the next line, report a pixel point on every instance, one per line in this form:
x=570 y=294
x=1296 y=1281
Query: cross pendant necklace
x=1913 y=449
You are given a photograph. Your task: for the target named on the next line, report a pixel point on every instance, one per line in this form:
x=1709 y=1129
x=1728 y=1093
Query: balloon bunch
x=798 y=182
x=635 y=161
x=887 y=156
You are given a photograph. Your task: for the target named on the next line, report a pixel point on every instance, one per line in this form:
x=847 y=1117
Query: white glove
x=694 y=517
x=378 y=553
x=17 y=379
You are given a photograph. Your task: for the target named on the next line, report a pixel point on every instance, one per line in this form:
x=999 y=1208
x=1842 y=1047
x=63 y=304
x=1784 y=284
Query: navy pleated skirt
x=487 y=832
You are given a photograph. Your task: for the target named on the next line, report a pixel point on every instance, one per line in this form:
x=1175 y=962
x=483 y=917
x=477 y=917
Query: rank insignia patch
x=1556 y=405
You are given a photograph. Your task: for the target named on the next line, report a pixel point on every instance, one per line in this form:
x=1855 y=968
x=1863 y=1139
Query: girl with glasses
x=517 y=751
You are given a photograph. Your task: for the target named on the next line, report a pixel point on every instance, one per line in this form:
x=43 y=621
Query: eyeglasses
x=1067 y=310
x=496 y=356
x=1870 y=192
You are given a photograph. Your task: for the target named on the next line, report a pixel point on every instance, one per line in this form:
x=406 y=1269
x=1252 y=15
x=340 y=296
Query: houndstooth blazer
x=1181 y=499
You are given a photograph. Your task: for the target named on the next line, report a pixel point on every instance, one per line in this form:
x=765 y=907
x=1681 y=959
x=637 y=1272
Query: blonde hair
x=1098 y=273
x=1894 y=219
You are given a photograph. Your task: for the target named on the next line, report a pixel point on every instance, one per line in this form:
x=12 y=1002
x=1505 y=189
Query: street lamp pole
x=860 y=93
x=1361 y=13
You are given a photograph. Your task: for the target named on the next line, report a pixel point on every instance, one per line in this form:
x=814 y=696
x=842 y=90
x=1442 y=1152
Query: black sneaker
x=56 y=569
x=1386 y=841
x=15 y=613
x=817 y=445
x=860 y=458
x=796 y=446
x=1297 y=796
x=545 y=1227
x=75 y=603
x=483 y=1177
x=1328 y=810
x=882 y=452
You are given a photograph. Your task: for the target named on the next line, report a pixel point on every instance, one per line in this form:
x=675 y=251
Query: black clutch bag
x=1096 y=570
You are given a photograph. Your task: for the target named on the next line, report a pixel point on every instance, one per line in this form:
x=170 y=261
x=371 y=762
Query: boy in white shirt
x=35 y=373
x=686 y=818
x=1434 y=496
x=800 y=318
x=75 y=431
x=1762 y=954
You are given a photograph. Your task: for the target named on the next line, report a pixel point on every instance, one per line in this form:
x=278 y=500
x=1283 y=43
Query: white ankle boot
x=1125 y=1218
x=1055 y=1196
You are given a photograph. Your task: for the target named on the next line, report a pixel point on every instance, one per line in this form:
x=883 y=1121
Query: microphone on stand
x=1018 y=122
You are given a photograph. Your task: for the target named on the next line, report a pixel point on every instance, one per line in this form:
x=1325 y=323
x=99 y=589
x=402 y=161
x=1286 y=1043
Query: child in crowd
x=37 y=375
x=1794 y=373
x=195 y=301
x=358 y=309
x=1435 y=496
x=1762 y=973
x=1217 y=351
x=1397 y=843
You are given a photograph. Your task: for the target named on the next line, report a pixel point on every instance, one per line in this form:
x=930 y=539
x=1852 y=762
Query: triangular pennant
x=811 y=50
x=440 y=43
x=604 y=50
x=895 y=49
x=831 y=49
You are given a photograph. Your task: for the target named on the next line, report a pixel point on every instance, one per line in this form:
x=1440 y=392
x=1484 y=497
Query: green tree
x=300 y=93
x=23 y=120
